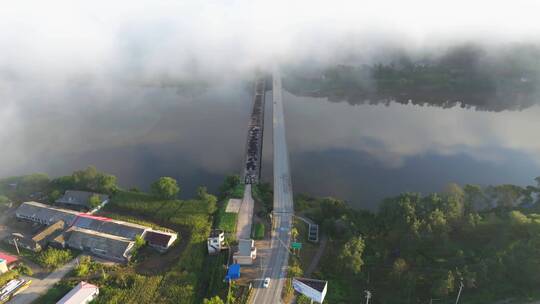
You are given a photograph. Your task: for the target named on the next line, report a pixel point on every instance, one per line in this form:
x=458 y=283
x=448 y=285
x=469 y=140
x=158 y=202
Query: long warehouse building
x=100 y=235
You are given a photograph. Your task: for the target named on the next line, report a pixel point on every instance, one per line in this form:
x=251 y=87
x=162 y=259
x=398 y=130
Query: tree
x=438 y=223
x=209 y=199
x=4 y=200
x=214 y=300
x=54 y=258
x=202 y=192
x=165 y=187
x=229 y=185
x=54 y=196
x=24 y=270
x=82 y=269
x=454 y=189
x=294 y=233
x=94 y=201
x=139 y=241
x=302 y=299
x=475 y=197
x=351 y=254
x=106 y=183
x=400 y=266
x=93 y=180
x=295 y=271
x=517 y=218
x=444 y=285
x=537 y=179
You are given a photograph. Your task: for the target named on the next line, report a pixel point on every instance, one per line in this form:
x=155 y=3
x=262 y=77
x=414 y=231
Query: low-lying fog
x=383 y=97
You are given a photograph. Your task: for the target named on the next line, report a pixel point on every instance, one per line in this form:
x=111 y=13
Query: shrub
x=258 y=231
x=53 y=258
x=8 y=276
x=24 y=270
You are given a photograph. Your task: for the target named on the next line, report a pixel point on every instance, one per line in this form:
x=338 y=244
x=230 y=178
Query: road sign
x=295 y=245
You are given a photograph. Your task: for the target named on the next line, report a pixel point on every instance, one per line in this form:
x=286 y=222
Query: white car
x=266 y=283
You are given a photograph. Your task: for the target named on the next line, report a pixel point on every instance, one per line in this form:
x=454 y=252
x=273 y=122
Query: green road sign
x=295 y=245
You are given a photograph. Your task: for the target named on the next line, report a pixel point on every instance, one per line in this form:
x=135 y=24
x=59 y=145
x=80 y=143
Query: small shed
x=233 y=273
x=160 y=240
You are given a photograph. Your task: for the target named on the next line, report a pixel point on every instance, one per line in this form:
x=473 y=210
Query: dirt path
x=317 y=257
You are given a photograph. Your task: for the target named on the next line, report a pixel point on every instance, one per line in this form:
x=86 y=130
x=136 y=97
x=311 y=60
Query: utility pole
x=16 y=246
x=459 y=293
x=229 y=293
x=368 y=296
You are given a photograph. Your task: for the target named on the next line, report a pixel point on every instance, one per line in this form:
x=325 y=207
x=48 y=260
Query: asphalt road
x=275 y=267
x=40 y=287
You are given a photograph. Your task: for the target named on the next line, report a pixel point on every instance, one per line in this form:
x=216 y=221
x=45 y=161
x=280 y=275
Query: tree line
x=416 y=248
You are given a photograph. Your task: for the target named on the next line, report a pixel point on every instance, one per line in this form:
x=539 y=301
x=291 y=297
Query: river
x=360 y=153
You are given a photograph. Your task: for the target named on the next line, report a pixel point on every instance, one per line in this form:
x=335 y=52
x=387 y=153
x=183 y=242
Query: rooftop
x=105 y=244
x=81 y=198
x=49 y=231
x=233 y=272
x=315 y=284
x=109 y=226
x=216 y=233
x=8 y=258
x=159 y=238
x=244 y=247
x=79 y=294
x=46 y=213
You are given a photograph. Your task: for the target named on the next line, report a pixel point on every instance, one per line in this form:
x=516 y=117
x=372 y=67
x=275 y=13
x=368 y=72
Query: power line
x=459 y=293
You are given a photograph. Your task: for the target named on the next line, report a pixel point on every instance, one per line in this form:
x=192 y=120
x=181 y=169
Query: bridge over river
x=275 y=267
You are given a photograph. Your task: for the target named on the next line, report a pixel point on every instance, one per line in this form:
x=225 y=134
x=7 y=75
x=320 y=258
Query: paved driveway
x=40 y=287
x=245 y=216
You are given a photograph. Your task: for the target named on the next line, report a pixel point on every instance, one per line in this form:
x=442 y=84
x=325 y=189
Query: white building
x=83 y=293
x=216 y=241
x=3 y=266
x=247 y=252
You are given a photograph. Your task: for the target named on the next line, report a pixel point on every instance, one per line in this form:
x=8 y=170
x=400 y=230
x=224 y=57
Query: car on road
x=266 y=283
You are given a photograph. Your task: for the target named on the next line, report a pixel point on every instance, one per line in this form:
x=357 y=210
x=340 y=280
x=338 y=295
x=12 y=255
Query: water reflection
x=363 y=153
x=470 y=76
x=359 y=153
x=137 y=133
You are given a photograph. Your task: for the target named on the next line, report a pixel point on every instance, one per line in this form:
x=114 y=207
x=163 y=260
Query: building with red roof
x=10 y=259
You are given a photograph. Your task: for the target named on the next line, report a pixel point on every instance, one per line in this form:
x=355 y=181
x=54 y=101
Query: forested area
x=40 y=187
x=472 y=76
x=422 y=247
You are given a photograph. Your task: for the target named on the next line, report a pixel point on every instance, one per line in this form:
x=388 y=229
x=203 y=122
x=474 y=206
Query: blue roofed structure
x=233 y=273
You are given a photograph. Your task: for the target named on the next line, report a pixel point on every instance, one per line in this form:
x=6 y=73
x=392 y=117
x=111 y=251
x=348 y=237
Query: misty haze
x=381 y=152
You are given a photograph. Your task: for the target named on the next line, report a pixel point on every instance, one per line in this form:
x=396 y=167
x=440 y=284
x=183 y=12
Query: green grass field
x=258 y=231
x=227 y=221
